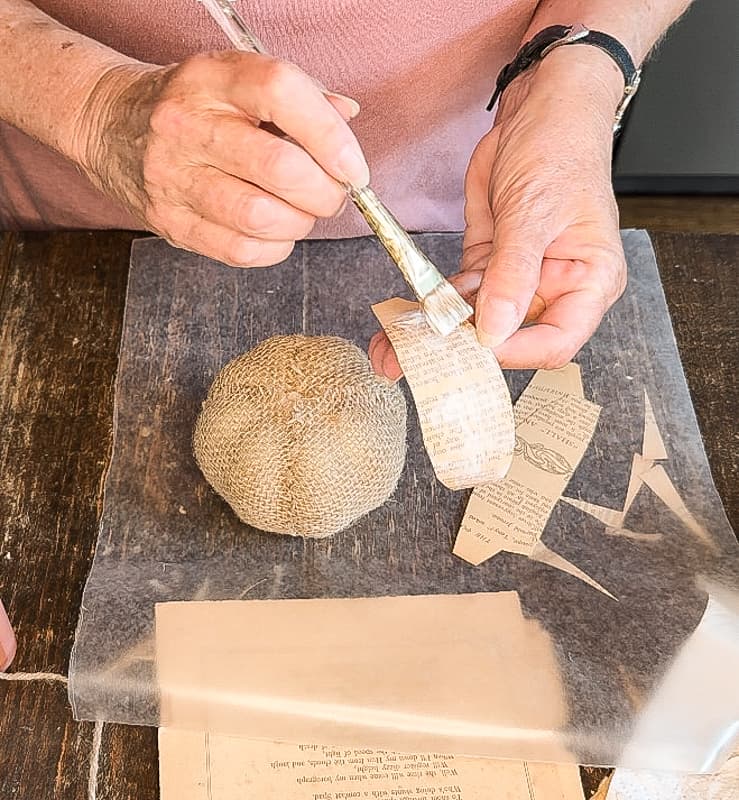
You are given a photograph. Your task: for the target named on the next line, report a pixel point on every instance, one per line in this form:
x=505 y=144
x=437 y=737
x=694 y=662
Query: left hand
x=542 y=238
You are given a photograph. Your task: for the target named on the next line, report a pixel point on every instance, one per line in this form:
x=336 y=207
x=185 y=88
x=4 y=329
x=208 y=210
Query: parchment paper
x=166 y=537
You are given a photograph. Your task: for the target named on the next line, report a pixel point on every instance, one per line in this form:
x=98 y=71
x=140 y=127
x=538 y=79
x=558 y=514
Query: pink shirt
x=422 y=73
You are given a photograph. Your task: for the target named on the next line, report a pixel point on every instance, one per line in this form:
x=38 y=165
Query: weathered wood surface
x=676 y=213
x=61 y=304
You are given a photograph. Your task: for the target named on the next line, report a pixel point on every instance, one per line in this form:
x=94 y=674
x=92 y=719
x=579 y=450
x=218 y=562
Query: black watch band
x=558 y=35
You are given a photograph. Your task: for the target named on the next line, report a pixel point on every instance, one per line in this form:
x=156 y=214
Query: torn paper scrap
x=653 y=446
x=639 y=465
x=544 y=555
x=567 y=379
x=201 y=766
x=463 y=402
x=608 y=516
x=659 y=482
x=553 y=430
x=627 y=533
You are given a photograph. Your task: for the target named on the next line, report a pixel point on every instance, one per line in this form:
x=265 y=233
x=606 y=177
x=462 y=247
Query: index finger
x=281 y=93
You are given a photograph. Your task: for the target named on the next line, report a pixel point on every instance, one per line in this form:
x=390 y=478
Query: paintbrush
x=442 y=305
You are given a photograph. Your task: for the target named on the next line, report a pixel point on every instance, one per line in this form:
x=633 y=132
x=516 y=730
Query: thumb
x=509 y=283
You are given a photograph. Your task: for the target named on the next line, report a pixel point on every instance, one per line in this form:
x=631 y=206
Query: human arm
x=180 y=146
x=541 y=217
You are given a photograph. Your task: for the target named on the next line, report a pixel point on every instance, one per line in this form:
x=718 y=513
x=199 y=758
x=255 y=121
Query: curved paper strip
x=463 y=403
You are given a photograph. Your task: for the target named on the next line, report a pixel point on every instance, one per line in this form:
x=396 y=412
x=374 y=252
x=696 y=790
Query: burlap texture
x=300 y=436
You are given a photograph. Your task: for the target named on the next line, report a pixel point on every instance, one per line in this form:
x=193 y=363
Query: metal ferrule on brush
x=420 y=274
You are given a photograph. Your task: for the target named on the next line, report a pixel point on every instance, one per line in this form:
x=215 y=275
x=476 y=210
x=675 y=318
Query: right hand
x=182 y=148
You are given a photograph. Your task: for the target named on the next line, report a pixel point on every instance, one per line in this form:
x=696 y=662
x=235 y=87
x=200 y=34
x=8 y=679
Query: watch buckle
x=575 y=32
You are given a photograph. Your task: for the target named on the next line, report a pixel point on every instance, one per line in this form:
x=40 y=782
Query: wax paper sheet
x=630 y=667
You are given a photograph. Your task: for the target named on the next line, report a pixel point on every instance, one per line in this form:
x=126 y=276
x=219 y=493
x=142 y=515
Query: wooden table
x=61 y=310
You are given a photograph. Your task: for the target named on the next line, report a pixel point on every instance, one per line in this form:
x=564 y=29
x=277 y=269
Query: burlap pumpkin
x=300 y=436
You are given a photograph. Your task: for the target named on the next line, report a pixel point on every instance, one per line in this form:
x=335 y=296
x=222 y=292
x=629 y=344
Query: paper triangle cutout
x=639 y=465
x=659 y=482
x=639 y=536
x=653 y=445
x=608 y=516
x=546 y=556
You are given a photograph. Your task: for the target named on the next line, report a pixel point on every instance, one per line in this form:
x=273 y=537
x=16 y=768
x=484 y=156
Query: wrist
x=583 y=71
x=104 y=84
x=566 y=96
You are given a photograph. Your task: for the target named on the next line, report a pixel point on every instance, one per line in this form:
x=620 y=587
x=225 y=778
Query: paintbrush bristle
x=445 y=308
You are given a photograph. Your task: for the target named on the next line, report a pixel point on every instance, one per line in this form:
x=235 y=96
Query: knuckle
x=252 y=213
x=244 y=252
x=282 y=165
x=155 y=169
x=194 y=67
x=622 y=279
x=169 y=117
x=283 y=81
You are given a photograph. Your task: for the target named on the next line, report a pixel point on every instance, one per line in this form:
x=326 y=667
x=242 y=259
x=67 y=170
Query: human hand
x=182 y=148
x=542 y=241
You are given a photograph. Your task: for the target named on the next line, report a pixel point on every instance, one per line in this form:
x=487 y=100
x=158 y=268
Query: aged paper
x=608 y=516
x=466 y=674
x=463 y=403
x=639 y=466
x=654 y=446
x=544 y=555
x=553 y=429
x=203 y=766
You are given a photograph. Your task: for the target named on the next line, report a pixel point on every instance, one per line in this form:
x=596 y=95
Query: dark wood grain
x=699 y=275
x=45 y=754
x=129 y=764
x=61 y=303
x=61 y=306
x=60 y=321
x=680 y=214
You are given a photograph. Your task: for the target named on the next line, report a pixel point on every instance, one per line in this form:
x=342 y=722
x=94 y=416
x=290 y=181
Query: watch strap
x=562 y=35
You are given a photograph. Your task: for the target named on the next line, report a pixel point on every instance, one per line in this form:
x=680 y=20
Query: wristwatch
x=561 y=35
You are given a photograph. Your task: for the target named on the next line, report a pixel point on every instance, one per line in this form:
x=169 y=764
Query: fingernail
x=350 y=101
x=352 y=166
x=7 y=640
x=498 y=320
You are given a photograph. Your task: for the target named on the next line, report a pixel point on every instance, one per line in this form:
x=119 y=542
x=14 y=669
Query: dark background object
x=682 y=132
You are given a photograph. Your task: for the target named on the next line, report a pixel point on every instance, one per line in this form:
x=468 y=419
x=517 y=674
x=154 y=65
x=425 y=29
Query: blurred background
x=676 y=164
